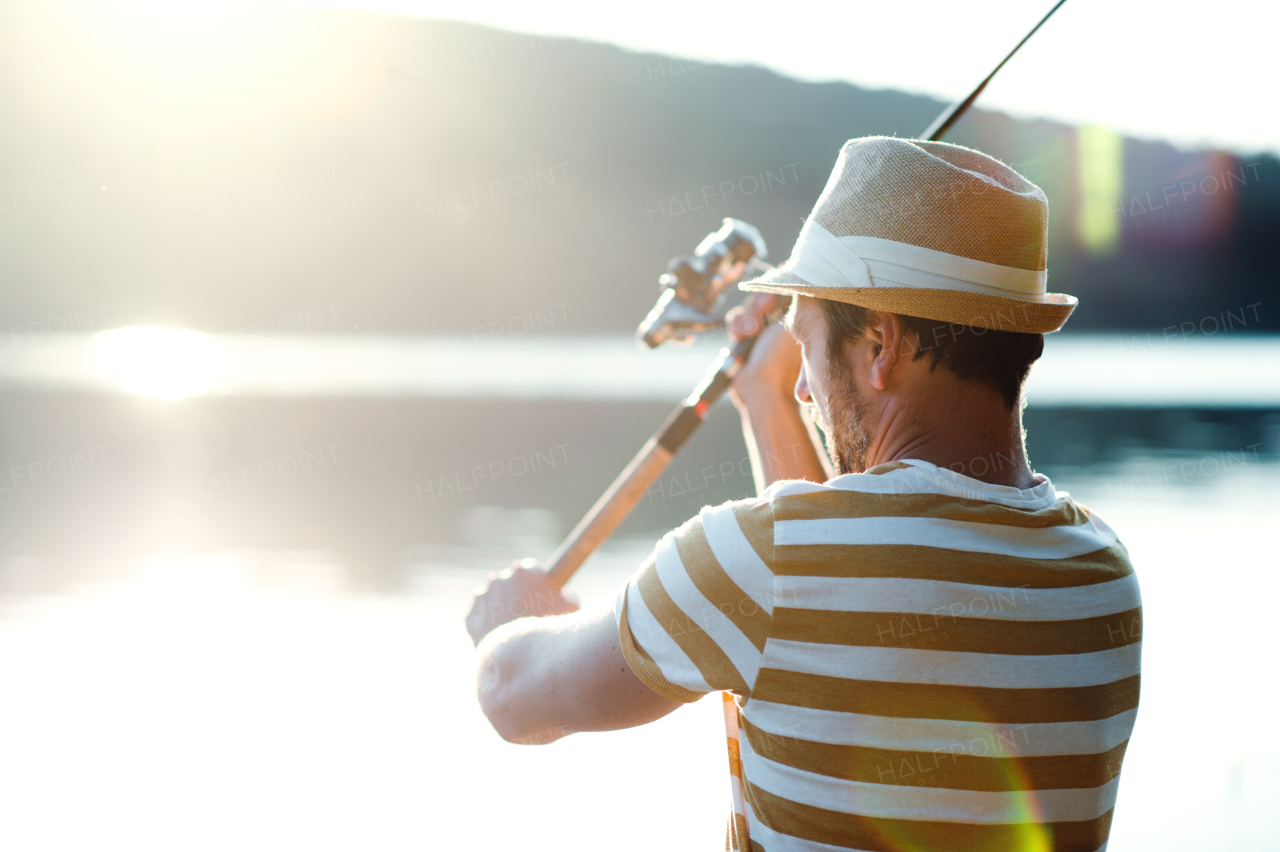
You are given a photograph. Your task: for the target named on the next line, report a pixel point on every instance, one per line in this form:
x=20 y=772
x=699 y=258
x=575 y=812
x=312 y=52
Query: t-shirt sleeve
x=695 y=617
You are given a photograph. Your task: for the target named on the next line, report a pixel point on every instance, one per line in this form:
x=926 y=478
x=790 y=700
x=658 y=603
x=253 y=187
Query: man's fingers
x=521 y=590
x=747 y=319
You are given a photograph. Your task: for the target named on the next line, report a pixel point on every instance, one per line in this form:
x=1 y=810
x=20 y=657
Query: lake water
x=177 y=681
x=1145 y=369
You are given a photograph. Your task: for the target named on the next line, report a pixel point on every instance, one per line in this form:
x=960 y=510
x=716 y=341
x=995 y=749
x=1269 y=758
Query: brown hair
x=998 y=359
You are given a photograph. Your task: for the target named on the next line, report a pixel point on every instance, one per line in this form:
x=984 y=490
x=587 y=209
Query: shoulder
x=731 y=535
x=743 y=531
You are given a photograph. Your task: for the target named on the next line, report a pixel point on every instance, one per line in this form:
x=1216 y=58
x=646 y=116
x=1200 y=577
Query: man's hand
x=781 y=441
x=770 y=373
x=518 y=592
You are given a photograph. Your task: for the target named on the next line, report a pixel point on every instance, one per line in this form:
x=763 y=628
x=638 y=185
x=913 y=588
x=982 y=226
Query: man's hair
x=998 y=359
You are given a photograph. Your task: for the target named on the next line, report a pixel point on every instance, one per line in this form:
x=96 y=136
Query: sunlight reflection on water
x=1082 y=369
x=190 y=707
x=164 y=363
x=227 y=701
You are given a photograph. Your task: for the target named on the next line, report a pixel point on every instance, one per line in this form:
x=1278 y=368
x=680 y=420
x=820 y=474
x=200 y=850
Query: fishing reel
x=693 y=286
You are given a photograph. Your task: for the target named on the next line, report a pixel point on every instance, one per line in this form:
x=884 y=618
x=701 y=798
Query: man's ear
x=887 y=332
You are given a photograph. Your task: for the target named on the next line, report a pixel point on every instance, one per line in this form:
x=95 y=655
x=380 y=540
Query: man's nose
x=802 y=387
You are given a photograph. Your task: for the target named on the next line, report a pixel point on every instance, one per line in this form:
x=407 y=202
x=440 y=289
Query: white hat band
x=825 y=260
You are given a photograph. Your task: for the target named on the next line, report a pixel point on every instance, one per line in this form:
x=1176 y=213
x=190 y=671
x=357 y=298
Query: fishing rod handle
x=633 y=483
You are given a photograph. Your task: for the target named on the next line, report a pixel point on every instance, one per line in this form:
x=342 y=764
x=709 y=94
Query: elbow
x=506 y=699
x=500 y=714
x=504 y=727
x=496 y=692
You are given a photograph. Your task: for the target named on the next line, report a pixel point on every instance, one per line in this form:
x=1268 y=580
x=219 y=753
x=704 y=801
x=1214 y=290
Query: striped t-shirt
x=918 y=660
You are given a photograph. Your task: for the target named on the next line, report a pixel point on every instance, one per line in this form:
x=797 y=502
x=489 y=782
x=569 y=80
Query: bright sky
x=1192 y=73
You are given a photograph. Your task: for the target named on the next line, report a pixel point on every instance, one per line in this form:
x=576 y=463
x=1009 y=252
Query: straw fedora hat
x=929 y=230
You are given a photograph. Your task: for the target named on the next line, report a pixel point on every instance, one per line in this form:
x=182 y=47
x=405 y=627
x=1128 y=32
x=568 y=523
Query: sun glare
x=164 y=363
x=192 y=66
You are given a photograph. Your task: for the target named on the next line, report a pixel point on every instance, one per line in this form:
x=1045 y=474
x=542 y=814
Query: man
x=935 y=649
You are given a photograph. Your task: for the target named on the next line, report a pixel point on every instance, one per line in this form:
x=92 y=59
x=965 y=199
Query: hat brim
x=951 y=306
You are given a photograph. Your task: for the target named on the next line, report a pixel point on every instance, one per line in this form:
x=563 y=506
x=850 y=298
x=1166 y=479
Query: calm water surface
x=253 y=701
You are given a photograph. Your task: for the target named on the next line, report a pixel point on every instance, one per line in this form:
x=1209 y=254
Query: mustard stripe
x=712 y=663
x=960 y=703
x=672 y=662
x=942 y=631
x=894 y=835
x=1007 y=671
x=700 y=563
x=888 y=801
x=741 y=536
x=709 y=616
x=764 y=838
x=755 y=519
x=912 y=561
x=948 y=599
x=927 y=735
x=953 y=767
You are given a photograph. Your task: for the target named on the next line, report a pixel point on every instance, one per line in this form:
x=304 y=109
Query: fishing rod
x=692 y=288
x=952 y=114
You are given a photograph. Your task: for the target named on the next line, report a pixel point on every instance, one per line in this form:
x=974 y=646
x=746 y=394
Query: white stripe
x=776 y=840
x=937 y=804
x=1059 y=542
x=901 y=481
x=954 y=668
x=736 y=555
x=620 y=603
x=942 y=600
x=672 y=662
x=896 y=275
x=791 y=487
x=1102 y=526
x=979 y=739
x=920 y=260
x=825 y=260
x=675 y=579
x=925 y=478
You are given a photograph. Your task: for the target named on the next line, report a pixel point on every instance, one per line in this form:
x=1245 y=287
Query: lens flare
x=993 y=753
x=1101 y=171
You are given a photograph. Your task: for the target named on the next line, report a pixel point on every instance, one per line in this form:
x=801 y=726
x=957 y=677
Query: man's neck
x=963 y=427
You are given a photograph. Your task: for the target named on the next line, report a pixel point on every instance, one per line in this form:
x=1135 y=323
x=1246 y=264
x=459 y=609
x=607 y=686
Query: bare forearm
x=542 y=679
x=778 y=440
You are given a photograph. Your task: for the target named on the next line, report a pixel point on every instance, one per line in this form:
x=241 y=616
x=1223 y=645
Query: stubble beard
x=847 y=438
